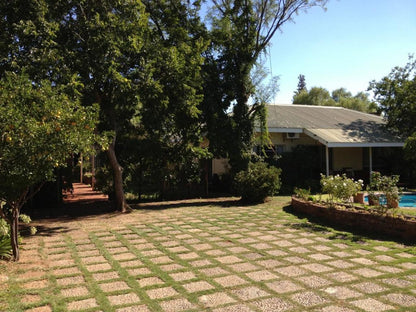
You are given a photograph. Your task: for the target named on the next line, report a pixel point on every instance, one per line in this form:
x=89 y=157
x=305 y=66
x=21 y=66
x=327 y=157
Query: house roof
x=332 y=126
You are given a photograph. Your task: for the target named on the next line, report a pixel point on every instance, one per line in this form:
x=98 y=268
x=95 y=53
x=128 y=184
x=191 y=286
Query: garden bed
x=401 y=227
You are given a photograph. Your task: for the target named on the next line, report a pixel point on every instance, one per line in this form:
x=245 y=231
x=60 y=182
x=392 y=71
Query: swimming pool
x=406 y=200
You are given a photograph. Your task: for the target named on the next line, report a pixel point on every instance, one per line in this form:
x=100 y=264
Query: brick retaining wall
x=362 y=220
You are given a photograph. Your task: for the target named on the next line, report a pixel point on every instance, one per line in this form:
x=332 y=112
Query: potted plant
x=373 y=187
x=392 y=194
x=359 y=198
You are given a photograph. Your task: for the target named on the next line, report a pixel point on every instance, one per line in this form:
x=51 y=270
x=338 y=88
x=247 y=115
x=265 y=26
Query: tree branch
x=33 y=193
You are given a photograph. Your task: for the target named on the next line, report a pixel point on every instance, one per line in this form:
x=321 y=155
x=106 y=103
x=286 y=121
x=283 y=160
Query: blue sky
x=348 y=45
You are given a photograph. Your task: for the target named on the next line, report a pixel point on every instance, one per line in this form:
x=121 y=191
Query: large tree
x=103 y=43
x=339 y=97
x=41 y=120
x=167 y=138
x=340 y=93
x=315 y=96
x=301 y=85
x=40 y=127
x=395 y=95
x=240 y=32
x=139 y=61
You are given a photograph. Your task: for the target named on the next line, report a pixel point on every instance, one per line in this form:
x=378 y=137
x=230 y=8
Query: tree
x=359 y=102
x=264 y=94
x=40 y=127
x=395 y=95
x=340 y=93
x=139 y=62
x=315 y=96
x=240 y=31
x=339 y=97
x=102 y=42
x=167 y=138
x=301 y=98
x=301 y=84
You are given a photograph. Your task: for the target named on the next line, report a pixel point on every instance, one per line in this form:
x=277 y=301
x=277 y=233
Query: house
x=342 y=140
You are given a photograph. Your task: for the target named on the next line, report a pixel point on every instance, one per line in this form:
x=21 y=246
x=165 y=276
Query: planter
x=360 y=219
x=359 y=198
x=392 y=203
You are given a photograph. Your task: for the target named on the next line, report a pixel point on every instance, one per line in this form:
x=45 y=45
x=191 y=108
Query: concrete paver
x=210 y=258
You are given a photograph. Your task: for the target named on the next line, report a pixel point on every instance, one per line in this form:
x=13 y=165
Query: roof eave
x=364 y=144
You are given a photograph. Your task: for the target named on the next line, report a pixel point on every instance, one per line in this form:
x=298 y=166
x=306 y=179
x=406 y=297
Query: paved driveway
x=206 y=256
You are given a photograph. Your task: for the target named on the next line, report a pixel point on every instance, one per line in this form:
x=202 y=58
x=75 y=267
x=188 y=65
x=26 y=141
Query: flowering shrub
x=384 y=185
x=340 y=187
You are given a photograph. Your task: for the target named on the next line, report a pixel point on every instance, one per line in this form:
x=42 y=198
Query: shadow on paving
x=43 y=230
x=223 y=202
x=83 y=203
x=339 y=231
x=74 y=209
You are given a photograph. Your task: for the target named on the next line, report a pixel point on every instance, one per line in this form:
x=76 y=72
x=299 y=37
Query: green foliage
x=339 y=97
x=104 y=180
x=340 y=187
x=264 y=94
x=257 y=182
x=301 y=85
x=167 y=147
x=5 y=246
x=339 y=94
x=395 y=95
x=4 y=226
x=40 y=126
x=5 y=233
x=359 y=102
x=240 y=32
x=315 y=96
x=140 y=61
x=384 y=187
x=302 y=193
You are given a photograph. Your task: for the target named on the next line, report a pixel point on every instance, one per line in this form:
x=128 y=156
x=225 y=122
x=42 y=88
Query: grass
x=204 y=255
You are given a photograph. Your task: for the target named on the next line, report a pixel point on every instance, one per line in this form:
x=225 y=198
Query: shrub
x=340 y=187
x=5 y=239
x=257 y=182
x=384 y=185
x=5 y=247
x=302 y=193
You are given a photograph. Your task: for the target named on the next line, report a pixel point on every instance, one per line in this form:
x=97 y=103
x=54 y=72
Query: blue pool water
x=406 y=200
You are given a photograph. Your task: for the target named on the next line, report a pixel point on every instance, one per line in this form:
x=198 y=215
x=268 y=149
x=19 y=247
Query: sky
x=350 y=44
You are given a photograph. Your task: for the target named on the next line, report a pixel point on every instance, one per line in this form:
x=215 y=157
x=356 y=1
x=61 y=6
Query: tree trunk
x=119 y=198
x=14 y=231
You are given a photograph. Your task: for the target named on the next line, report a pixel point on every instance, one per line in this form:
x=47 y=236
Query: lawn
x=206 y=255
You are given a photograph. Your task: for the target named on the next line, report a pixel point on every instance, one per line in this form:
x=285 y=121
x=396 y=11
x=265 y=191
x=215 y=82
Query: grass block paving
x=123 y=299
x=206 y=255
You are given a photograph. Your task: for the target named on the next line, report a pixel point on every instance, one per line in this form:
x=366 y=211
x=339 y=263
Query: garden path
x=205 y=255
